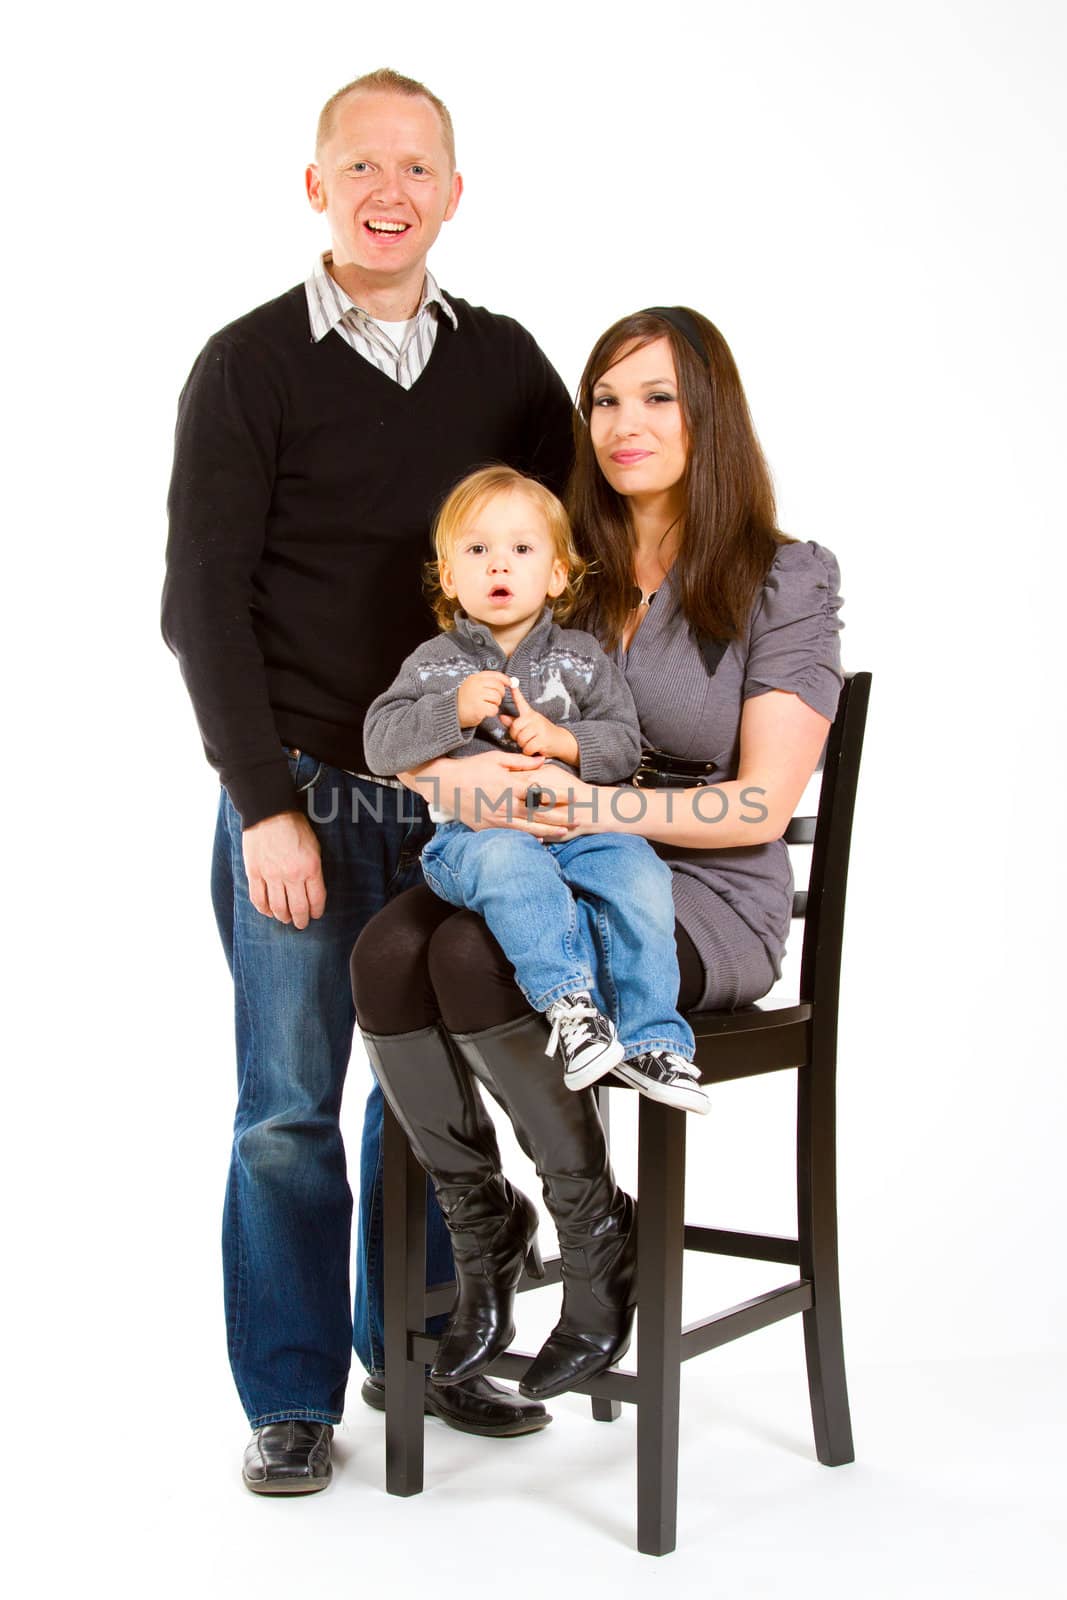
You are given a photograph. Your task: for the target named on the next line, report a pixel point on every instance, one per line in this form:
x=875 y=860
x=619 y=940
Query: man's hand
x=480 y=696
x=284 y=867
x=535 y=735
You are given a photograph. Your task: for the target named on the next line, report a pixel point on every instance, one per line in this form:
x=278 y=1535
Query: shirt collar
x=477 y=634
x=328 y=303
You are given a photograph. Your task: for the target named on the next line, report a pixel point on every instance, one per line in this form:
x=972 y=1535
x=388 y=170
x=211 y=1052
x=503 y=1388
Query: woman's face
x=636 y=424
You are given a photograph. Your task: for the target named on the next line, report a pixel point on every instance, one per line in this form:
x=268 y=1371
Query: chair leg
x=817 y=1219
x=605 y=1410
x=404 y=1227
x=660 y=1243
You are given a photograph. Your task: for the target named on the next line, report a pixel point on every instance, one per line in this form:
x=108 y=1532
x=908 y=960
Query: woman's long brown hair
x=729 y=532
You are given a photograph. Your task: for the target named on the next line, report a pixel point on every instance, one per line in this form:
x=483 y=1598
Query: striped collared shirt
x=329 y=307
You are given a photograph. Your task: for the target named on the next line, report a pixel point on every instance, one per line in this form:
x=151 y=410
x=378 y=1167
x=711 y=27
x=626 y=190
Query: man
x=315 y=438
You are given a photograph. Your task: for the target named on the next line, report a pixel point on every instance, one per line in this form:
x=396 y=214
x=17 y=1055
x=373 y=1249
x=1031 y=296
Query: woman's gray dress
x=735 y=904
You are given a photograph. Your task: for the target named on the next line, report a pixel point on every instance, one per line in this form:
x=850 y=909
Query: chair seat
x=769 y=1037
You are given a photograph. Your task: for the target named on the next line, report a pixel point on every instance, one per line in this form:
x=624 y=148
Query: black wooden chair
x=763 y=1038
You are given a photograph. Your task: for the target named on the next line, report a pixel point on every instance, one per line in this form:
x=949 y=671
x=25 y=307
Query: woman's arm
x=487 y=790
x=781 y=741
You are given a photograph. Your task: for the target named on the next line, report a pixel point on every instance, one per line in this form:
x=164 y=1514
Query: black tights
x=420 y=960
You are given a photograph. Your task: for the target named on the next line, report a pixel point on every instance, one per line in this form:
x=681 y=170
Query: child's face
x=503 y=563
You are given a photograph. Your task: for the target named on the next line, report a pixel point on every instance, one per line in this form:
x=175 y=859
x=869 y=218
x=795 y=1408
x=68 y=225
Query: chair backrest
x=822 y=905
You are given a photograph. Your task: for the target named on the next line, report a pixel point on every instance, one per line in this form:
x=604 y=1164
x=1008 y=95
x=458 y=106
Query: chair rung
x=747 y=1317
x=553 y=1274
x=753 y=1246
x=440 y=1297
x=697 y=1337
x=615 y=1385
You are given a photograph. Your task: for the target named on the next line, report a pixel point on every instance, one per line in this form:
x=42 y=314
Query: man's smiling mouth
x=382 y=225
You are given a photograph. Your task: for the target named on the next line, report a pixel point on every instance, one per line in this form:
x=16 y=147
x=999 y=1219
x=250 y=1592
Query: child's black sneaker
x=662 y=1075
x=586 y=1039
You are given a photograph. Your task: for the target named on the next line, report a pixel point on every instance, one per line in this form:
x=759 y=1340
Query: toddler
x=586 y=922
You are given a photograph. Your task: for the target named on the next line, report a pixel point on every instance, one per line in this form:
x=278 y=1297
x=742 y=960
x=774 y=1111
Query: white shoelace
x=572 y=1022
x=680 y=1066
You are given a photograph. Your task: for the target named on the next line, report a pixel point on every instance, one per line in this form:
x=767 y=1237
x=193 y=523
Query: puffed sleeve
x=794 y=643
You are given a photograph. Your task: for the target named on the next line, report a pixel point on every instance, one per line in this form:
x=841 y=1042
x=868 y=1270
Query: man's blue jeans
x=614 y=935
x=288 y=1214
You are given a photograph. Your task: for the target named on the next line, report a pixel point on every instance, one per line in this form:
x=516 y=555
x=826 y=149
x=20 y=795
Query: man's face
x=385 y=183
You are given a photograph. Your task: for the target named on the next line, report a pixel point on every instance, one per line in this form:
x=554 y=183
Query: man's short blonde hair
x=455 y=515
x=385 y=80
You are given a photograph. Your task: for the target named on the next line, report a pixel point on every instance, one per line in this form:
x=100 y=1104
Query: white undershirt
x=397 y=331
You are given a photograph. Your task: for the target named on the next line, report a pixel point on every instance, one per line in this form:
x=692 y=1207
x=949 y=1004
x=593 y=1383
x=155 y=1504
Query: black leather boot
x=561 y=1132
x=492 y=1226
x=493 y=1229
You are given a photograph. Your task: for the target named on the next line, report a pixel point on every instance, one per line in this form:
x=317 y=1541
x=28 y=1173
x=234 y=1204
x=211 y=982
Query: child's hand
x=535 y=735
x=480 y=696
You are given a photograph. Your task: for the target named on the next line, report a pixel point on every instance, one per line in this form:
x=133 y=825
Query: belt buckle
x=672 y=774
x=645 y=777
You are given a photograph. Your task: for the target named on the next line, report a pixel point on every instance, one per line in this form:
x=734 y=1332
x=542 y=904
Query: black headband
x=682 y=320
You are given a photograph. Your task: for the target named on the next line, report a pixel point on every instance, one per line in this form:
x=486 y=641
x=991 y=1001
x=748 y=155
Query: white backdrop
x=868 y=201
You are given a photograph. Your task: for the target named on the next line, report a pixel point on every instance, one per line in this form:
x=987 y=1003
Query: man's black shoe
x=475 y=1406
x=289 y=1458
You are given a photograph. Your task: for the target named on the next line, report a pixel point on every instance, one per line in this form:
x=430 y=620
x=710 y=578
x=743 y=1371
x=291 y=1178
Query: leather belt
x=368 y=777
x=658 y=770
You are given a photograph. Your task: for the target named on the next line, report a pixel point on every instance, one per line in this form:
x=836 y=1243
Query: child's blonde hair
x=455 y=514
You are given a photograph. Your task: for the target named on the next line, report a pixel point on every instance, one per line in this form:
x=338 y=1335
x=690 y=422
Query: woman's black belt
x=658 y=770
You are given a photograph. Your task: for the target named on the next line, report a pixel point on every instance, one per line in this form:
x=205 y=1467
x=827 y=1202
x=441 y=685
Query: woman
x=727 y=633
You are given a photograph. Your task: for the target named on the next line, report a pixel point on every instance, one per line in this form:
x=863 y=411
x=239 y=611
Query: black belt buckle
x=658 y=770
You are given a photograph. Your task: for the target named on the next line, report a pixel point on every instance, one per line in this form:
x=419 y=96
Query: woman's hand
x=485 y=791
x=575 y=806
x=535 y=735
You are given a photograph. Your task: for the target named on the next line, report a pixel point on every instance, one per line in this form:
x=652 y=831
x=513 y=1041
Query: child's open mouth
x=500 y=593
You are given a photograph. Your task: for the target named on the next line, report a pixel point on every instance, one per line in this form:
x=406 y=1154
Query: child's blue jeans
x=613 y=935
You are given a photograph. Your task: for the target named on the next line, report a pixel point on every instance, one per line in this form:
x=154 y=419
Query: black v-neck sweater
x=304 y=485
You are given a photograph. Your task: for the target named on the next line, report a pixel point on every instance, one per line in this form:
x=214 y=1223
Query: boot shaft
x=432 y=1096
x=559 y=1129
